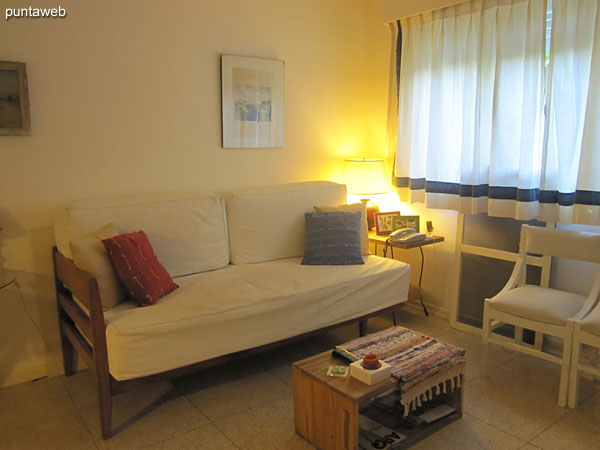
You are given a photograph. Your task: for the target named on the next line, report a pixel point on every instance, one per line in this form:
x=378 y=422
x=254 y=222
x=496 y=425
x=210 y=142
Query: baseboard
x=415 y=307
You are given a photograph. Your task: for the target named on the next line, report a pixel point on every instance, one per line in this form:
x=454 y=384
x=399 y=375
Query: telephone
x=406 y=235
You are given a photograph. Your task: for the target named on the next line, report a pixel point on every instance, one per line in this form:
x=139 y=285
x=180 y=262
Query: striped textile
x=414 y=357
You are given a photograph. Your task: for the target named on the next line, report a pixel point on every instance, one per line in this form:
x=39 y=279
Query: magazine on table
x=374 y=435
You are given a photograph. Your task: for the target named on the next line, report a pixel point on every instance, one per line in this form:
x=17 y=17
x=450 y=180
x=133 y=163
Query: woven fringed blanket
x=422 y=365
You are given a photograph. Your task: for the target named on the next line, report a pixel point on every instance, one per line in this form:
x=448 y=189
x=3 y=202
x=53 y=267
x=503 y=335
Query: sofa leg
x=105 y=398
x=362 y=328
x=69 y=355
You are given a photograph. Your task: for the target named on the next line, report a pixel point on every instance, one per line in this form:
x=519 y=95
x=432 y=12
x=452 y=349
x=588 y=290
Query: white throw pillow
x=364 y=227
x=90 y=255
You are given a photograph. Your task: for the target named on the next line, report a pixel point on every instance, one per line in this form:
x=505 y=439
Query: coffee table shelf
x=326 y=409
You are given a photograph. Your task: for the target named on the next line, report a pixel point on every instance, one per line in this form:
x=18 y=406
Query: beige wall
x=125 y=97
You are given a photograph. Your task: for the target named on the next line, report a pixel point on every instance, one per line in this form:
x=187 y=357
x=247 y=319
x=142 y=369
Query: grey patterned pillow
x=332 y=238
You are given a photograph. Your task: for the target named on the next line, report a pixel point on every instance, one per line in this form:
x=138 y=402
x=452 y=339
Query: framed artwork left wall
x=15 y=118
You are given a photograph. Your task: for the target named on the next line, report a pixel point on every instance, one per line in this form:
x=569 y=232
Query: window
x=499 y=107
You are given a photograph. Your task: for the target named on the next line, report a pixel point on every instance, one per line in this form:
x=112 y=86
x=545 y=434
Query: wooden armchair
x=586 y=331
x=541 y=308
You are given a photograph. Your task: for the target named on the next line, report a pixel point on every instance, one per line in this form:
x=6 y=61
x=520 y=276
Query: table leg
x=420 y=280
x=362 y=328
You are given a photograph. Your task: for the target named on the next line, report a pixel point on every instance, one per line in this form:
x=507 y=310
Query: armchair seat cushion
x=591 y=324
x=537 y=303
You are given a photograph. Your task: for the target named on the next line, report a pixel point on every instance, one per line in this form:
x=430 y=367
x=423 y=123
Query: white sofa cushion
x=187 y=230
x=245 y=306
x=90 y=255
x=268 y=223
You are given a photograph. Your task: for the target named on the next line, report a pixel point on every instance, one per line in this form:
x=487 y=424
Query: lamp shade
x=365 y=176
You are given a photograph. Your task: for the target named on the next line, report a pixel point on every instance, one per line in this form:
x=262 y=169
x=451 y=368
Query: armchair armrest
x=516 y=276
x=86 y=330
x=591 y=301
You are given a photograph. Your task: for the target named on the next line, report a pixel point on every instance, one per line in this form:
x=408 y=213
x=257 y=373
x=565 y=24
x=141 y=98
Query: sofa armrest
x=84 y=329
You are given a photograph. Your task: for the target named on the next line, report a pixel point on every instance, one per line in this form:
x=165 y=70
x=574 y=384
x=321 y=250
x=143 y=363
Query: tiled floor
x=249 y=405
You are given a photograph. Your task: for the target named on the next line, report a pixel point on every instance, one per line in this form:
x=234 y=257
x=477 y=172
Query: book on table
x=374 y=435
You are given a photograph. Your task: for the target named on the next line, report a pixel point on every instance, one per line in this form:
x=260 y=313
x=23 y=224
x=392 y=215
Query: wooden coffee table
x=326 y=409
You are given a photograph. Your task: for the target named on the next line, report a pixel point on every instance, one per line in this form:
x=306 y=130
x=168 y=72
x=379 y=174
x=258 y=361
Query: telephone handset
x=406 y=235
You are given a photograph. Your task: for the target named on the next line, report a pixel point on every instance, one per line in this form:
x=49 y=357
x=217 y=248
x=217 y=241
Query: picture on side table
x=14 y=99
x=384 y=222
x=252 y=95
x=406 y=222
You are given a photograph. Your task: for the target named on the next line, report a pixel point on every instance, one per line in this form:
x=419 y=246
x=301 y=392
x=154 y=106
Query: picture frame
x=384 y=222
x=15 y=117
x=252 y=100
x=406 y=222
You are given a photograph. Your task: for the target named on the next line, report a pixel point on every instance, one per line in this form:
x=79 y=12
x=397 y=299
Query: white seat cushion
x=540 y=304
x=244 y=306
x=591 y=324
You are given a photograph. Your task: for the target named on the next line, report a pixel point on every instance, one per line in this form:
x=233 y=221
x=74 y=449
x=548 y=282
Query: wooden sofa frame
x=85 y=335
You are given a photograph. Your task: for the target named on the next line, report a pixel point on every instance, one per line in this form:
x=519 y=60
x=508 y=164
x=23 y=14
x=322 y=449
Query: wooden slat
x=559 y=331
x=589 y=338
x=74 y=279
x=538 y=261
x=589 y=369
x=325 y=417
x=500 y=254
x=489 y=252
x=527 y=349
x=76 y=314
x=82 y=347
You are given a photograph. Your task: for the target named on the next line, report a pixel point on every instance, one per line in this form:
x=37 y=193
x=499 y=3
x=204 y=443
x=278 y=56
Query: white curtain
x=471 y=108
x=571 y=182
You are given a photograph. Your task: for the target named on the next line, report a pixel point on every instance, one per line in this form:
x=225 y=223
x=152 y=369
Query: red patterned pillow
x=143 y=277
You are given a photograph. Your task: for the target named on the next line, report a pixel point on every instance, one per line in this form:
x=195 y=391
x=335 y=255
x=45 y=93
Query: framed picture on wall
x=14 y=99
x=252 y=96
x=406 y=222
x=384 y=222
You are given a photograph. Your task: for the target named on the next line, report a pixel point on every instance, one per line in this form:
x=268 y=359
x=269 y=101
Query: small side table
x=383 y=240
x=6 y=278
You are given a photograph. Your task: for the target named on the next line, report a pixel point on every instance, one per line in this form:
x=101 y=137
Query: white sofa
x=236 y=258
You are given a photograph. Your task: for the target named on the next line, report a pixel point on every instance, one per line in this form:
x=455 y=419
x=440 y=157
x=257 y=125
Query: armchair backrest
x=567 y=244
